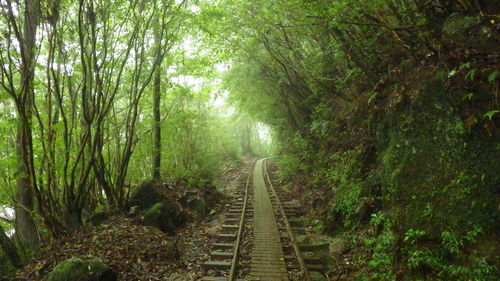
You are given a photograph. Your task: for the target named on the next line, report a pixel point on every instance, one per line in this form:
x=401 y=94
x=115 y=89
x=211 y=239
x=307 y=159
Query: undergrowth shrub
x=453 y=259
x=344 y=177
x=381 y=245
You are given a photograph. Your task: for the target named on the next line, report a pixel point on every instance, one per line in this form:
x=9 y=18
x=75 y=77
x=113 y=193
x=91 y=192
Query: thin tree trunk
x=25 y=224
x=156 y=115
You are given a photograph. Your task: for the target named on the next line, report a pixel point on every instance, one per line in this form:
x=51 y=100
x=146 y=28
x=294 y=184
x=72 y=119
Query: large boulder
x=159 y=216
x=82 y=269
x=152 y=192
x=147 y=194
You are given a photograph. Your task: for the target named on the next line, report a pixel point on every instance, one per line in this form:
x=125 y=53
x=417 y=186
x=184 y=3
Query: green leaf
x=441 y=74
x=470 y=74
x=373 y=95
x=490 y=114
x=465 y=65
x=493 y=76
x=468 y=96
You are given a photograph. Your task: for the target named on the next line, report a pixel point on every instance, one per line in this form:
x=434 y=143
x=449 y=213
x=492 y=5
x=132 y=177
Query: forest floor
x=139 y=252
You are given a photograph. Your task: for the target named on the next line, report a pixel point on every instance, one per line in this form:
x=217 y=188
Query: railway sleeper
x=237 y=215
x=211 y=278
x=238 y=211
x=237 y=220
x=222 y=246
x=217 y=265
x=230 y=227
x=310 y=267
x=221 y=255
x=226 y=237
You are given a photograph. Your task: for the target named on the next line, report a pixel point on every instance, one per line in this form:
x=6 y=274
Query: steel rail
x=300 y=258
x=236 y=250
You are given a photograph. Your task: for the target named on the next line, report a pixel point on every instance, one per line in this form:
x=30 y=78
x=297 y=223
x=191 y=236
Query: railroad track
x=258 y=238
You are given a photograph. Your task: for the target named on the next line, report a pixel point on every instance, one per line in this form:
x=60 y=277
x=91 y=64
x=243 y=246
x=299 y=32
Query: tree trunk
x=25 y=224
x=156 y=116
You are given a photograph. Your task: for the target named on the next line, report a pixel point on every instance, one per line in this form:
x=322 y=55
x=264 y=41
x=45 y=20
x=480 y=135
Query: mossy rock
x=82 y=269
x=159 y=216
x=146 y=195
x=198 y=204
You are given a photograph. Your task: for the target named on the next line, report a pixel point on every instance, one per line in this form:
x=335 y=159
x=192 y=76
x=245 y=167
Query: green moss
x=198 y=204
x=77 y=269
x=159 y=217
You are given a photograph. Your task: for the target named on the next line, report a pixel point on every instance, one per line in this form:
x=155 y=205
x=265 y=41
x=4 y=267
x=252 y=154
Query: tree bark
x=25 y=224
x=156 y=115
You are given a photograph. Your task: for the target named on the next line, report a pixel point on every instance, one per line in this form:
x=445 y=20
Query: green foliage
x=6 y=268
x=382 y=251
x=451 y=260
x=318 y=226
x=490 y=114
x=413 y=235
x=493 y=76
x=344 y=176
